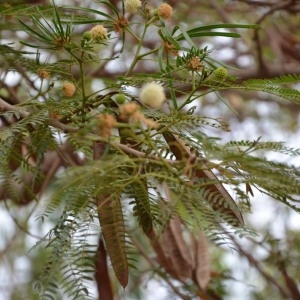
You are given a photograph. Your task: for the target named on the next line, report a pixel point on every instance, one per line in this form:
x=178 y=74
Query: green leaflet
x=204 y=30
x=142 y=209
x=65 y=261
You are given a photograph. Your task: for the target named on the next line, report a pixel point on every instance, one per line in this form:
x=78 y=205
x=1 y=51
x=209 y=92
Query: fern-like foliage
x=71 y=254
x=276 y=86
x=282 y=86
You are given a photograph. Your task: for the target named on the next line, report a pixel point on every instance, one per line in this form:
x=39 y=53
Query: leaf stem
x=82 y=79
x=80 y=61
x=137 y=54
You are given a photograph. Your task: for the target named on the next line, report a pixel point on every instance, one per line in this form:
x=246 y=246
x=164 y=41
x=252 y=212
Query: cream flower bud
x=106 y=123
x=132 y=5
x=43 y=74
x=153 y=95
x=98 y=33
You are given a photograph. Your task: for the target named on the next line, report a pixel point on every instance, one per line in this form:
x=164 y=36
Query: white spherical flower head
x=132 y=6
x=153 y=95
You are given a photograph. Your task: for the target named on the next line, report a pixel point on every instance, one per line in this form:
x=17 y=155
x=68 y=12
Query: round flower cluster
x=132 y=6
x=194 y=64
x=152 y=94
x=68 y=89
x=220 y=74
x=130 y=112
x=165 y=11
x=106 y=123
x=43 y=74
x=98 y=33
x=120 y=24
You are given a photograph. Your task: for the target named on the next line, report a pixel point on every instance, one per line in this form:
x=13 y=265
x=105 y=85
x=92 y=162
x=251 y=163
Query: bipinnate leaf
x=140 y=192
x=142 y=209
x=221 y=202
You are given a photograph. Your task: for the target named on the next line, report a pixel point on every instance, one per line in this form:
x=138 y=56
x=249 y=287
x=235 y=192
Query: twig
x=258 y=267
x=8 y=245
x=4 y=106
x=262 y=66
x=65 y=128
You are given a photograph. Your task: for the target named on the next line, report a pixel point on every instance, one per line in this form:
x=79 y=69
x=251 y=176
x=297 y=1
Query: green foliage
x=276 y=86
x=152 y=166
x=69 y=257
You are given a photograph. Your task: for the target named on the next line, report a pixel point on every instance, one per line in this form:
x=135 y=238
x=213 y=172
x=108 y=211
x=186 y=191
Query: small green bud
x=87 y=35
x=120 y=98
x=220 y=74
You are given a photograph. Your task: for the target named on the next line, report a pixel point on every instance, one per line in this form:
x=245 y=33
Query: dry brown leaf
x=224 y=204
x=162 y=258
x=202 y=260
x=174 y=246
x=112 y=224
x=102 y=274
x=113 y=230
x=176 y=250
